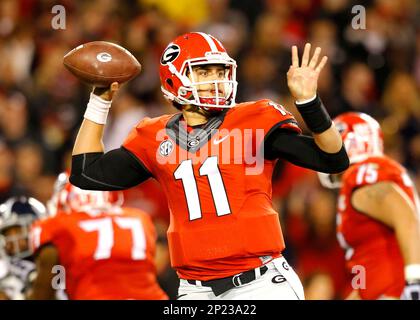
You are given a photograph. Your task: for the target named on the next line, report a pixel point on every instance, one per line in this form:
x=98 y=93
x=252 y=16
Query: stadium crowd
x=375 y=70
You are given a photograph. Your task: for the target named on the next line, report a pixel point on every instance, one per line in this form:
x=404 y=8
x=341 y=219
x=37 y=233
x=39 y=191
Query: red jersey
x=107 y=256
x=218 y=187
x=369 y=243
x=148 y=196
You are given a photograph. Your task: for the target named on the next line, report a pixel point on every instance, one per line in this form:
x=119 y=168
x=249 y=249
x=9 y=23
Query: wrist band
x=315 y=115
x=412 y=272
x=97 y=109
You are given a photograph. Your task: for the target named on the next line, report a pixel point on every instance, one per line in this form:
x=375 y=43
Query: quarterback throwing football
x=214 y=160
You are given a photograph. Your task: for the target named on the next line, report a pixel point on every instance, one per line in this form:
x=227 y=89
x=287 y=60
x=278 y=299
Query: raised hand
x=303 y=80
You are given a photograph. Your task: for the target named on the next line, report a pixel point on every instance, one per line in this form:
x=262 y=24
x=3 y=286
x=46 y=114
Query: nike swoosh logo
x=217 y=141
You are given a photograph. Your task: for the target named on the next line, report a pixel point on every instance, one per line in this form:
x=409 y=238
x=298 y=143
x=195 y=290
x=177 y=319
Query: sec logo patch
x=166 y=147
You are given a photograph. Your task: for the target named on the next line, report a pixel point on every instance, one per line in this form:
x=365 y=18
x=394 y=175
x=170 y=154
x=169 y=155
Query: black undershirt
x=119 y=169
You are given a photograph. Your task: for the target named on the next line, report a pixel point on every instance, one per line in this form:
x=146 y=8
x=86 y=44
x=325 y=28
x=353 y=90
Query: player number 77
x=105 y=230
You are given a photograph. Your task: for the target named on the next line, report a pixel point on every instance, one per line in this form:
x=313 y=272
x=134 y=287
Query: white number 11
x=210 y=169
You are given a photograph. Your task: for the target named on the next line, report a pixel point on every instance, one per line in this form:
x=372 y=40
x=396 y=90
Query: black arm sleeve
x=115 y=170
x=302 y=151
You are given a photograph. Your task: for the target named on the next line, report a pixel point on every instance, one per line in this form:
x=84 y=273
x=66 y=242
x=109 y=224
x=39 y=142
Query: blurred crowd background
x=374 y=70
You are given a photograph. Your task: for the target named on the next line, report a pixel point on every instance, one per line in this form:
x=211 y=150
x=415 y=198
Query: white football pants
x=280 y=282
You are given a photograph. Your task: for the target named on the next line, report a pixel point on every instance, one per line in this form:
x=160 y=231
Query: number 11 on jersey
x=209 y=168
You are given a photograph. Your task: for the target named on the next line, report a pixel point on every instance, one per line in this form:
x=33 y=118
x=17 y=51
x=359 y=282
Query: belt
x=222 y=285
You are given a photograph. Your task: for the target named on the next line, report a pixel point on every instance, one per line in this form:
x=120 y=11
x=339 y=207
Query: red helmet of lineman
x=362 y=137
x=178 y=82
x=68 y=198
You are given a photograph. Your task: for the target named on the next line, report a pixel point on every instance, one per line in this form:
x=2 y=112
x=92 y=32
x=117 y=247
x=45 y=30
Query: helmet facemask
x=15 y=238
x=189 y=92
x=224 y=89
x=16 y=217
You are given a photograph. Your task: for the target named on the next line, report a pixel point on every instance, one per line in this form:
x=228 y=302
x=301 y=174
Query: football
x=99 y=63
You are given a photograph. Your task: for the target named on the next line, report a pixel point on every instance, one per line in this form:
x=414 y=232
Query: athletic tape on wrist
x=97 y=109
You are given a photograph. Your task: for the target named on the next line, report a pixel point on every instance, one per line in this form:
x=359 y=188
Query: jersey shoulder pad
x=135 y=212
x=373 y=170
x=265 y=114
x=256 y=107
x=145 y=218
x=389 y=165
x=143 y=136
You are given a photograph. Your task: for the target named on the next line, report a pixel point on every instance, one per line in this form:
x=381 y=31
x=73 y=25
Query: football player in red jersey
x=98 y=249
x=378 y=215
x=214 y=160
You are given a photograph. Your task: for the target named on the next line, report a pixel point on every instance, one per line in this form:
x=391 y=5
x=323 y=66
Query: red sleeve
x=136 y=143
x=276 y=116
x=266 y=115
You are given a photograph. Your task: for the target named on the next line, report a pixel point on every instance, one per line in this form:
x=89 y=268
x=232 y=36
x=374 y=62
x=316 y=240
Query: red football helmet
x=361 y=134
x=68 y=198
x=362 y=137
x=178 y=83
